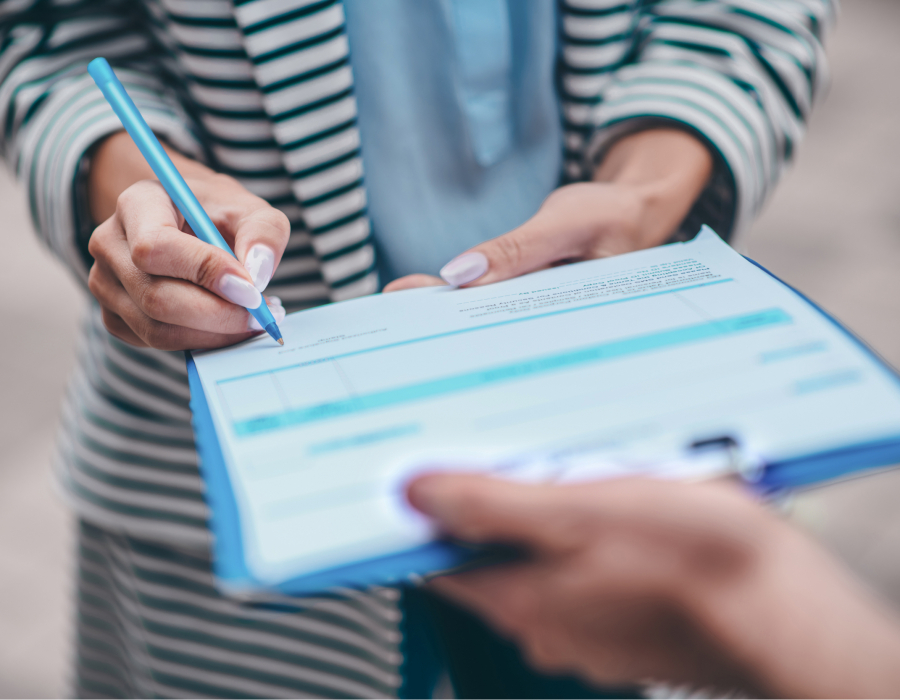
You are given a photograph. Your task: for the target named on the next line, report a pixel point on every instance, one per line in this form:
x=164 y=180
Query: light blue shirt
x=459 y=120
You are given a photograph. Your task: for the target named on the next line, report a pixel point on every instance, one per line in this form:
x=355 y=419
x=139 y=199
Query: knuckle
x=135 y=197
x=258 y=218
x=111 y=321
x=277 y=219
x=94 y=283
x=171 y=338
x=509 y=251
x=127 y=199
x=154 y=301
x=94 y=242
x=142 y=253
x=158 y=335
x=116 y=326
x=99 y=240
x=206 y=271
x=229 y=318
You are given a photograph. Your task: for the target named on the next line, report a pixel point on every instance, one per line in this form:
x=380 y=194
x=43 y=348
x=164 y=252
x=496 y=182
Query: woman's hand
x=642 y=190
x=157 y=284
x=633 y=580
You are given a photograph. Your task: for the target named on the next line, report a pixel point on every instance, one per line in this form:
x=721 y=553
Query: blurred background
x=832 y=230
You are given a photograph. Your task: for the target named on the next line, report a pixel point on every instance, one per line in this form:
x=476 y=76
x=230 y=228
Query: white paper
x=588 y=370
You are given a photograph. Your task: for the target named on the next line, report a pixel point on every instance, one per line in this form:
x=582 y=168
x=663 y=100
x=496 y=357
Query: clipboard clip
x=742 y=461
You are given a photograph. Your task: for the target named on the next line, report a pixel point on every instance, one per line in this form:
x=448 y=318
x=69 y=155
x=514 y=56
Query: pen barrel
x=262 y=314
x=156 y=157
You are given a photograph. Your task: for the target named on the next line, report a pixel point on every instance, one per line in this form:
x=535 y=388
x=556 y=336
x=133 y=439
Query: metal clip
x=748 y=466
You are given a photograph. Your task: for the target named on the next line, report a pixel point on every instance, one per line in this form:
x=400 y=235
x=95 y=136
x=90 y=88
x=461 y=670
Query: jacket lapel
x=301 y=62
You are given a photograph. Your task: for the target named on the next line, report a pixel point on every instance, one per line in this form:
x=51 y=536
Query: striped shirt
x=263 y=90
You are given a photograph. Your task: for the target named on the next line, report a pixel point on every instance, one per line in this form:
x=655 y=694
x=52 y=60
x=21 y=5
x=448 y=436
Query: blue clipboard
x=230 y=566
x=832 y=464
x=228 y=553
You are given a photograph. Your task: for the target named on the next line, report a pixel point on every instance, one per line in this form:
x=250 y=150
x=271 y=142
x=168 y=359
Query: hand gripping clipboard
x=234 y=575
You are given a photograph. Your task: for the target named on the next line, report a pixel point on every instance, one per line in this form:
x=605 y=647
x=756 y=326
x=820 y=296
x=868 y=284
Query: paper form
x=590 y=369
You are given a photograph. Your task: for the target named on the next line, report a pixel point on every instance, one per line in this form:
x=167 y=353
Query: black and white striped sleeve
x=742 y=74
x=51 y=114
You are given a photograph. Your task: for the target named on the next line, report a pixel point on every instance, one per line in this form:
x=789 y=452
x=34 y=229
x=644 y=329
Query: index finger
x=157 y=246
x=257 y=232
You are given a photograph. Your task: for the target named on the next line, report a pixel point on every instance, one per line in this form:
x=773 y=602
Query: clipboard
x=234 y=576
x=230 y=566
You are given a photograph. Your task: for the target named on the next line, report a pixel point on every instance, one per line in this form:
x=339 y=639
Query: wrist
x=662 y=172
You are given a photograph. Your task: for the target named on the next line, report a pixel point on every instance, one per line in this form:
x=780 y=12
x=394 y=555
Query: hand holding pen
x=157 y=285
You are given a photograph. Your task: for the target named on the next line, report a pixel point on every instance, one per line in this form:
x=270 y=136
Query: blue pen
x=167 y=173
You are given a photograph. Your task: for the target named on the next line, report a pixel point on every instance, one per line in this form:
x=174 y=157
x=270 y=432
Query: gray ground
x=833 y=230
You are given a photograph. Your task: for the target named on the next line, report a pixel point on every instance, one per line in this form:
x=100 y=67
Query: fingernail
x=278 y=313
x=240 y=291
x=466 y=268
x=260 y=262
x=273 y=300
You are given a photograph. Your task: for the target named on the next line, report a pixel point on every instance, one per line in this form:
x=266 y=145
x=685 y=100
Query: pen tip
x=272 y=330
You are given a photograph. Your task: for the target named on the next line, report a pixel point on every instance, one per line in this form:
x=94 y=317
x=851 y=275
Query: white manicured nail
x=278 y=313
x=468 y=267
x=240 y=291
x=260 y=263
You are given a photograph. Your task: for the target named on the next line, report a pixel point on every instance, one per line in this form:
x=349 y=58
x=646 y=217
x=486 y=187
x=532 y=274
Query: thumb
x=532 y=246
x=479 y=509
x=413 y=282
x=562 y=230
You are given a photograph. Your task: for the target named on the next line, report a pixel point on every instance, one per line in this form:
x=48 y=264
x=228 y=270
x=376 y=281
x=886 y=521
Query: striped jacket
x=263 y=90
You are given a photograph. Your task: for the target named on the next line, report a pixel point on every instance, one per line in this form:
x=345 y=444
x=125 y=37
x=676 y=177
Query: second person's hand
x=157 y=284
x=630 y=580
x=640 y=193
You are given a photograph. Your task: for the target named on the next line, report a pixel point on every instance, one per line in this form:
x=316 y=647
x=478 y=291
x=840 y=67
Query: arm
x=741 y=75
x=52 y=114
x=634 y=580
x=640 y=192
x=704 y=111
x=156 y=285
